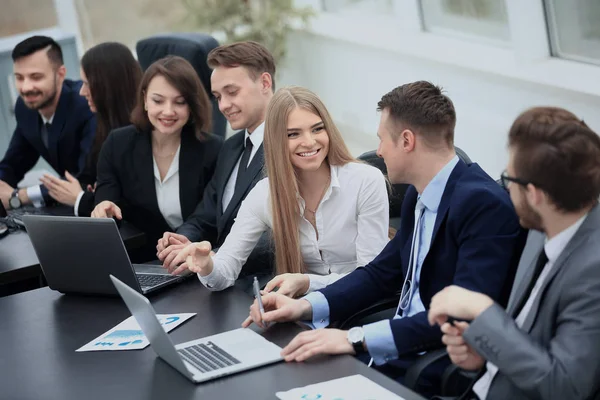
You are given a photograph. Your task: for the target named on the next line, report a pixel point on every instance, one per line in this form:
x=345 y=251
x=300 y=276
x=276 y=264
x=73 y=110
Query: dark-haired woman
x=153 y=173
x=110 y=78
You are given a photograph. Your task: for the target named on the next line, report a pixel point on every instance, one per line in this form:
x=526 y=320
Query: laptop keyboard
x=19 y=212
x=151 y=280
x=207 y=357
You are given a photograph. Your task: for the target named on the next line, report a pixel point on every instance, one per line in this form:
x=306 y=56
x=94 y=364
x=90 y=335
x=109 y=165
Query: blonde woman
x=328 y=212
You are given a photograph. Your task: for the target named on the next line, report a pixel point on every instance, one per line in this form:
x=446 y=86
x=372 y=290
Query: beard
x=528 y=217
x=45 y=101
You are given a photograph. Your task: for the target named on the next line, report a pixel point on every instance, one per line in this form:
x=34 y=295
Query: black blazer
x=87 y=177
x=69 y=140
x=125 y=176
x=210 y=222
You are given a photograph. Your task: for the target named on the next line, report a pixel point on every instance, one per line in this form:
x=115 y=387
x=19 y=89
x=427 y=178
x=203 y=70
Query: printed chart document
x=129 y=336
x=355 y=387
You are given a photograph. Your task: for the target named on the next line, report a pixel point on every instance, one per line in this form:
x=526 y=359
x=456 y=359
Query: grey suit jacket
x=556 y=353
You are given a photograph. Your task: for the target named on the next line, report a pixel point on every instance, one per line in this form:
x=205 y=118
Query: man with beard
x=53 y=121
x=545 y=345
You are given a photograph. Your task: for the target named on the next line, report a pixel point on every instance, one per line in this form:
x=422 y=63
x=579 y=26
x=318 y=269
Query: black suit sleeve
x=202 y=224
x=108 y=184
x=86 y=204
x=19 y=158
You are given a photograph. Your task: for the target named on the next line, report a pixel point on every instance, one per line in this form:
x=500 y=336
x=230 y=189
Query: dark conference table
x=19 y=266
x=41 y=329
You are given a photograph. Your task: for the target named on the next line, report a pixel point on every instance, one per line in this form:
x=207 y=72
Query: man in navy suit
x=53 y=121
x=458 y=227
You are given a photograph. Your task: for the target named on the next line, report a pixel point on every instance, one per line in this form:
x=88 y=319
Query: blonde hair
x=283 y=182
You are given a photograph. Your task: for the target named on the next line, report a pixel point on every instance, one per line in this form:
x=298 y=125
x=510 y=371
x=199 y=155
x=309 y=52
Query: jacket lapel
x=525 y=269
x=590 y=223
x=189 y=173
x=231 y=160
x=58 y=123
x=254 y=169
x=446 y=197
x=144 y=169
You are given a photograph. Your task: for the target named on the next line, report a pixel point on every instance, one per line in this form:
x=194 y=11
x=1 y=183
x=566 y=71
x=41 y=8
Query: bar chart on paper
x=129 y=336
x=355 y=387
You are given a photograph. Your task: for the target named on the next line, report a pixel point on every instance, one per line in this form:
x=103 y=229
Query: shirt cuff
x=211 y=281
x=76 y=206
x=380 y=341
x=320 y=309
x=316 y=282
x=35 y=196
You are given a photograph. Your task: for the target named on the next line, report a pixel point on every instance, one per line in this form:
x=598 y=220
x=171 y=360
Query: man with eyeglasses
x=458 y=227
x=546 y=345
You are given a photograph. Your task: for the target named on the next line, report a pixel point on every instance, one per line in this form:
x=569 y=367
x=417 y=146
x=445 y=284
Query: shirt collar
x=47 y=121
x=557 y=244
x=173 y=168
x=256 y=137
x=333 y=183
x=432 y=195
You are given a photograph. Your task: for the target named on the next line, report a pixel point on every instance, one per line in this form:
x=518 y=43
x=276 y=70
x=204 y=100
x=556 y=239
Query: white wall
x=351 y=67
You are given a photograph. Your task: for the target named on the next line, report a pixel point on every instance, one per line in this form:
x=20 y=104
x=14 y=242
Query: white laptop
x=203 y=359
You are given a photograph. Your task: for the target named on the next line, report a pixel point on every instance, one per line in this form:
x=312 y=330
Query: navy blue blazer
x=476 y=244
x=69 y=140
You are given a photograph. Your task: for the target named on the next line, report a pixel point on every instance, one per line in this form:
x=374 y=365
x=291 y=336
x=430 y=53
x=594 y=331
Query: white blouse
x=352 y=222
x=167 y=192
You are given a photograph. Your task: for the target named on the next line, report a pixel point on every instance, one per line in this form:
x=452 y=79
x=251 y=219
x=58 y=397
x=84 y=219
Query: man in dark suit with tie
x=53 y=121
x=458 y=227
x=546 y=345
x=242 y=82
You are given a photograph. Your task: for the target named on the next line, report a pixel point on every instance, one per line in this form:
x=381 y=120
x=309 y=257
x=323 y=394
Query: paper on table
x=129 y=336
x=355 y=387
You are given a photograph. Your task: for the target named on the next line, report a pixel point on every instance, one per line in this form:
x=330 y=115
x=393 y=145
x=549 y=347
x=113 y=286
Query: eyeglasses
x=507 y=179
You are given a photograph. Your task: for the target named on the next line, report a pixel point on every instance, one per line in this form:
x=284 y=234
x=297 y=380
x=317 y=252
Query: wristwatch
x=14 y=200
x=356 y=337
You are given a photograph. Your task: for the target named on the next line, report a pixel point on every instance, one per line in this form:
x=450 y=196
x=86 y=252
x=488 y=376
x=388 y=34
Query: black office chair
x=396 y=192
x=194 y=47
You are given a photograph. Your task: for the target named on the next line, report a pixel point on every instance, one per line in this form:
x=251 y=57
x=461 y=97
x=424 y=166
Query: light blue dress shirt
x=378 y=335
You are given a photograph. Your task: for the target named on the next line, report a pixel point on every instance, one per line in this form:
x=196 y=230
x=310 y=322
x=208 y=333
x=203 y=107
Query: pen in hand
x=258 y=297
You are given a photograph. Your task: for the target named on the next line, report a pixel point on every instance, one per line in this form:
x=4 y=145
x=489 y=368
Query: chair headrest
x=194 y=47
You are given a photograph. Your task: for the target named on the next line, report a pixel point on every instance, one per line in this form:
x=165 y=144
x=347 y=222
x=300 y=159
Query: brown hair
x=182 y=76
x=254 y=56
x=423 y=108
x=559 y=154
x=283 y=184
x=113 y=77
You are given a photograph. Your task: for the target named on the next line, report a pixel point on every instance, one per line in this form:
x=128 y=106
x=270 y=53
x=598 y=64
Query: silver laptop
x=78 y=254
x=202 y=359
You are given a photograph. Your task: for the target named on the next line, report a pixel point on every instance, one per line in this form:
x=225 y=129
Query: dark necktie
x=539 y=266
x=46 y=133
x=243 y=164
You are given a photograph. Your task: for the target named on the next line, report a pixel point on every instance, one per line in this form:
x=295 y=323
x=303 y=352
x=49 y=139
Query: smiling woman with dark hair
x=110 y=78
x=153 y=173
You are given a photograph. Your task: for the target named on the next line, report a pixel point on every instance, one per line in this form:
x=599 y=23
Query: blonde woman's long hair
x=283 y=182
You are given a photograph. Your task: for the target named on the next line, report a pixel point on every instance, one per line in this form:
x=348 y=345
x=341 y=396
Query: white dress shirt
x=553 y=247
x=256 y=138
x=167 y=192
x=352 y=223
x=35 y=192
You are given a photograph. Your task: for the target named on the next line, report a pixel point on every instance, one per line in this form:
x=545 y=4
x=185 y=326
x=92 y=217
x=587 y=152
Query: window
x=574 y=29
x=358 y=7
x=481 y=19
x=127 y=21
x=20 y=16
